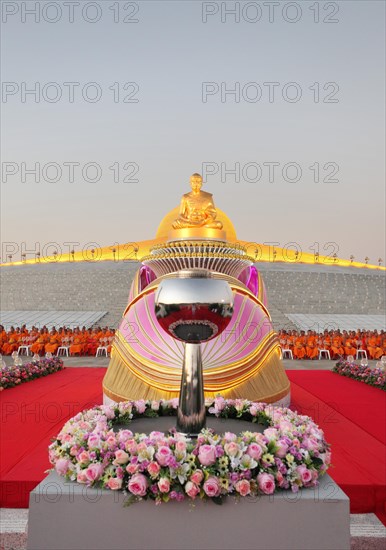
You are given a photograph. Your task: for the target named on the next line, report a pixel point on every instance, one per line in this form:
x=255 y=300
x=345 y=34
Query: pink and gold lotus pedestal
x=242 y=361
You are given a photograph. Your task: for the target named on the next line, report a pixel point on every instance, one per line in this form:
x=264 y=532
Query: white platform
x=68 y=516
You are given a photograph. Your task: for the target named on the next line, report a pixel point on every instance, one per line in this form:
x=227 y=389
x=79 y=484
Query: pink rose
x=254 y=451
x=243 y=487
x=219 y=405
x=120 y=457
x=181 y=446
x=111 y=442
x=62 y=465
x=114 y=483
x=124 y=435
x=207 y=455
x=154 y=469
x=229 y=436
x=163 y=454
x=327 y=458
x=155 y=405
x=174 y=402
x=84 y=457
x=280 y=478
x=131 y=446
x=132 y=468
x=164 y=485
x=94 y=472
x=231 y=448
x=81 y=477
x=253 y=410
x=156 y=435
x=94 y=441
x=108 y=411
x=266 y=483
x=270 y=434
x=138 y=485
x=140 y=406
x=282 y=449
x=305 y=474
x=197 y=477
x=212 y=487
x=191 y=489
x=74 y=449
x=239 y=405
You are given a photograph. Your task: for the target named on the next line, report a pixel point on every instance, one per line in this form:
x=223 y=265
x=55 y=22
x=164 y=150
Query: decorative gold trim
x=260 y=387
x=215 y=379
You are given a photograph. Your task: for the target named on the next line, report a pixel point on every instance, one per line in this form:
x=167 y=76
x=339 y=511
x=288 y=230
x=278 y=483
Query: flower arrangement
x=363 y=373
x=289 y=454
x=16 y=374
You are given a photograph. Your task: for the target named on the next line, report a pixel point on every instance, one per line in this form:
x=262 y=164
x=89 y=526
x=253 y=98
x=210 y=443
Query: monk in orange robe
x=3 y=338
x=12 y=343
x=283 y=339
x=39 y=344
x=326 y=339
x=360 y=340
x=350 y=345
x=300 y=346
x=383 y=345
x=311 y=345
x=92 y=343
x=33 y=335
x=289 y=342
x=378 y=338
x=374 y=350
x=337 y=349
x=53 y=343
x=77 y=347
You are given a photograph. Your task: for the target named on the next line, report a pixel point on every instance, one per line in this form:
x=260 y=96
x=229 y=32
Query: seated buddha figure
x=197 y=208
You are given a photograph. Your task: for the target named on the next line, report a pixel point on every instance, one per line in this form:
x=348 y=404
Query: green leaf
x=131 y=499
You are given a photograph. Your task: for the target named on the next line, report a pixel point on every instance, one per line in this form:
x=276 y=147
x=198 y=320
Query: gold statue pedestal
x=244 y=362
x=196 y=233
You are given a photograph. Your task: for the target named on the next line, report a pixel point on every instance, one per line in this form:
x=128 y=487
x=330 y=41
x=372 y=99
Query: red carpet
x=31 y=415
x=351 y=413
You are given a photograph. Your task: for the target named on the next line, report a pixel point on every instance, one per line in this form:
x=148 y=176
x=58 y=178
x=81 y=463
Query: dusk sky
x=131 y=98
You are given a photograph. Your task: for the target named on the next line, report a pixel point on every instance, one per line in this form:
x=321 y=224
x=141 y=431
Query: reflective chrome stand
x=191 y=416
x=193 y=306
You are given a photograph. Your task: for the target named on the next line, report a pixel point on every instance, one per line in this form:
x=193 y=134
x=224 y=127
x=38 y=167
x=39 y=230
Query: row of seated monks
x=340 y=344
x=41 y=341
x=86 y=341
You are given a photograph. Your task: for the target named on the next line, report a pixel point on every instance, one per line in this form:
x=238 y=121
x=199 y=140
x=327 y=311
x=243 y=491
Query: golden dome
x=165 y=226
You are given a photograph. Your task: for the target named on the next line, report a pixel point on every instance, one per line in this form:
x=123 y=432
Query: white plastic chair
x=102 y=350
x=62 y=350
x=24 y=348
x=362 y=353
x=326 y=354
x=287 y=352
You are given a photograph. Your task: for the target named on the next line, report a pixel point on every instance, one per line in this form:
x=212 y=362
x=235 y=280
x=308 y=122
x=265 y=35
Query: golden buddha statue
x=197 y=208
